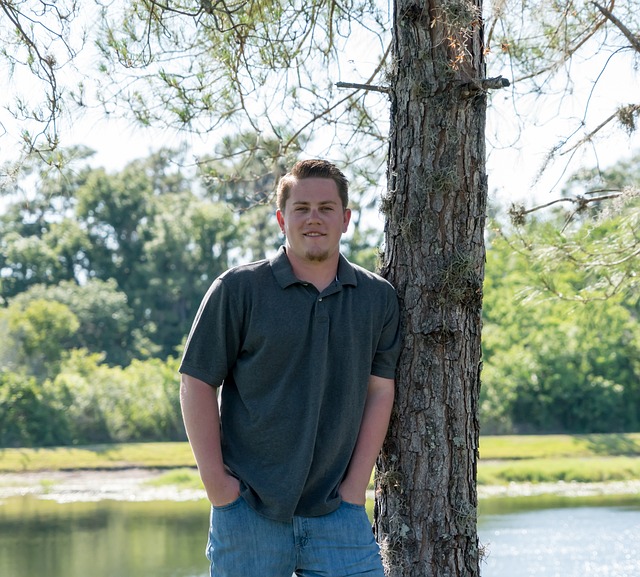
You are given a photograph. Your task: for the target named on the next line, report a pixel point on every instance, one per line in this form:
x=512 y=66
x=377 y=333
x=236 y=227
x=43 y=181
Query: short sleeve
x=387 y=353
x=214 y=340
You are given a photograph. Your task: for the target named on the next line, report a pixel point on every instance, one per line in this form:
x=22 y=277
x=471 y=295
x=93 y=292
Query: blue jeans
x=243 y=543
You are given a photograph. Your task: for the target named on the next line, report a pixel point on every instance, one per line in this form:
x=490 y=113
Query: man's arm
x=373 y=430
x=202 y=422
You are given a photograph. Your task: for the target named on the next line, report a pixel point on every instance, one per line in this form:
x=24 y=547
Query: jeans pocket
x=355 y=506
x=228 y=506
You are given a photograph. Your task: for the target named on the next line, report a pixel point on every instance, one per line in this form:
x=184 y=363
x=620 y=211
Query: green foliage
x=560 y=350
x=259 y=64
x=88 y=402
x=101 y=275
x=362 y=248
x=242 y=173
x=130 y=254
x=202 y=68
x=28 y=416
x=40 y=332
x=114 y=404
x=104 y=318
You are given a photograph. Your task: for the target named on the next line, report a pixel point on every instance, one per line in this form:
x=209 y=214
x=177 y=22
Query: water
x=541 y=537
x=584 y=541
x=104 y=539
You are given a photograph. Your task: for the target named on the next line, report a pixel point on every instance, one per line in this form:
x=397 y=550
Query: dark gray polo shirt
x=294 y=364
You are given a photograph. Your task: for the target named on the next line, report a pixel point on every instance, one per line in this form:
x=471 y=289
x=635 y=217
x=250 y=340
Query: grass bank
x=503 y=460
x=553 y=458
x=95 y=457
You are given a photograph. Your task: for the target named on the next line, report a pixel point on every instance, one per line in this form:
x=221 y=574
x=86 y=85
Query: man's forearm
x=373 y=430
x=202 y=423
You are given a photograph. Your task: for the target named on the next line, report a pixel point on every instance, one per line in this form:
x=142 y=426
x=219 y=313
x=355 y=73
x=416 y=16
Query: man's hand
x=226 y=491
x=353 y=495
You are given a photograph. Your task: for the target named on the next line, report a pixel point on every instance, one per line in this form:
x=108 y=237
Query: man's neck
x=319 y=274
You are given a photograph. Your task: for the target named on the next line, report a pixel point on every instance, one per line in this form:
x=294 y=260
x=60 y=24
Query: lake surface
x=40 y=538
x=541 y=536
x=563 y=541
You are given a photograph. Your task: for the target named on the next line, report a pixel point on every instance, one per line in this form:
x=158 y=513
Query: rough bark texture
x=426 y=502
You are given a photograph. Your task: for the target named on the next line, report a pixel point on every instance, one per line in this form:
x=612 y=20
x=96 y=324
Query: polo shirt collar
x=283 y=272
x=346 y=272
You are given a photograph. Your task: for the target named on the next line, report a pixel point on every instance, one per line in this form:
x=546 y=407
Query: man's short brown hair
x=312 y=169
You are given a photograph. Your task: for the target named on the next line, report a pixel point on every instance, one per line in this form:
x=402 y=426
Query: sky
x=515 y=152
x=520 y=130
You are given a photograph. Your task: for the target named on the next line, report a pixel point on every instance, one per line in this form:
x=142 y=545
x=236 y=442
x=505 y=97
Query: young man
x=304 y=346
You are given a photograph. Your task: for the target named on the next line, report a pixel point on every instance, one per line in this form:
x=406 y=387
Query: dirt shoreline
x=137 y=485
x=86 y=486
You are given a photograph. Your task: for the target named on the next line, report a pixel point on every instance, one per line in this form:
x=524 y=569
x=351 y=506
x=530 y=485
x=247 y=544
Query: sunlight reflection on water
x=576 y=542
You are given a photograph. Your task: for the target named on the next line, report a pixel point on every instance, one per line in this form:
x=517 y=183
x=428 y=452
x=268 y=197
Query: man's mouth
x=313 y=234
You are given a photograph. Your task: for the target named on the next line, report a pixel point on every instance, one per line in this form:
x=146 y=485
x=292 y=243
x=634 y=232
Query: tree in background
x=40 y=332
x=589 y=253
x=558 y=358
x=207 y=68
x=242 y=172
x=599 y=241
x=102 y=322
x=601 y=40
x=130 y=253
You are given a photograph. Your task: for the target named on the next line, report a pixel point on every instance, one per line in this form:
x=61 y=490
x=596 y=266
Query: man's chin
x=317 y=256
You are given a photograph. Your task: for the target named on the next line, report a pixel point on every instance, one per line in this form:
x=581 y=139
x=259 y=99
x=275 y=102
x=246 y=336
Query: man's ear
x=280 y=219
x=347 y=219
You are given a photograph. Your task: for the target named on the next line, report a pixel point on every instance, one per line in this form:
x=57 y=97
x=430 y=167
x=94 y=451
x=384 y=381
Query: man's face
x=314 y=219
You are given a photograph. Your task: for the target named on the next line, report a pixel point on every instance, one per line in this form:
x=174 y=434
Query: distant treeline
x=89 y=402
x=561 y=348
x=101 y=275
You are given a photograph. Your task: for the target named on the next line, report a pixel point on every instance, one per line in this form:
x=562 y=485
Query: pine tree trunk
x=426 y=500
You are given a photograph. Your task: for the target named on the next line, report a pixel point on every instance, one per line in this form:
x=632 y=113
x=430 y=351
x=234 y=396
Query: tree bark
x=426 y=500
